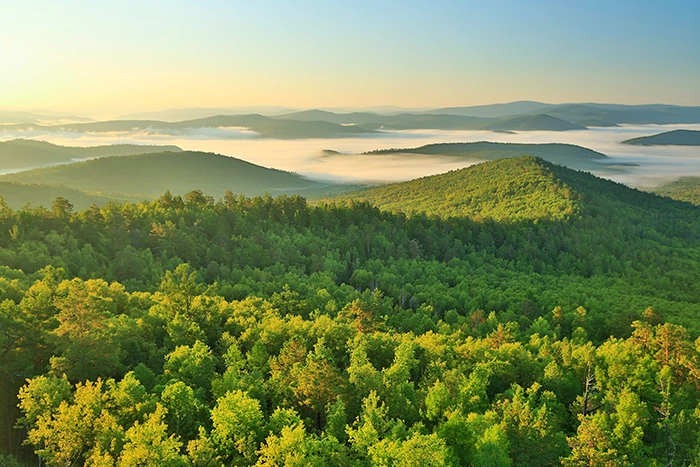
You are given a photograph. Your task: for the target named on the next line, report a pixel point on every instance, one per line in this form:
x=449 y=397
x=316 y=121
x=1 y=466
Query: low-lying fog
x=657 y=164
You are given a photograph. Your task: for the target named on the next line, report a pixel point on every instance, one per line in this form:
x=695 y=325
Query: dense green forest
x=265 y=331
x=22 y=154
x=17 y=195
x=568 y=155
x=147 y=176
x=683 y=189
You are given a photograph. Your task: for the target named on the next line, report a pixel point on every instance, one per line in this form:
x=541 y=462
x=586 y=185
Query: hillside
x=514 y=190
x=569 y=155
x=22 y=154
x=669 y=138
x=507 y=189
x=147 y=176
x=684 y=189
x=658 y=114
x=540 y=122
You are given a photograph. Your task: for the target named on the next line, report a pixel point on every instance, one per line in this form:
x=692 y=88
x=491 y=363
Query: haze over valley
x=653 y=164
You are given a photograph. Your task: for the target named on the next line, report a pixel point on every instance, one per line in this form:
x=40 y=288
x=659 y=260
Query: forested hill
x=254 y=331
x=669 y=138
x=683 y=189
x=506 y=189
x=568 y=155
x=22 y=154
x=513 y=190
x=147 y=176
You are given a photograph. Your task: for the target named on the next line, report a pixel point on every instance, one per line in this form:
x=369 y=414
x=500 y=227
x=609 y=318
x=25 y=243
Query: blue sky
x=156 y=54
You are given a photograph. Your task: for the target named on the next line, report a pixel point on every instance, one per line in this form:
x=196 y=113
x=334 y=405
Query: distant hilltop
x=669 y=138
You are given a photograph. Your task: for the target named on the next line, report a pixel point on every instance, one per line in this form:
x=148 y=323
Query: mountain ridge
x=668 y=138
x=23 y=154
x=148 y=176
x=517 y=189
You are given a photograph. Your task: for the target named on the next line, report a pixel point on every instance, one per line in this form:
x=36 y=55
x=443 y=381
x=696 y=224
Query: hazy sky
x=154 y=54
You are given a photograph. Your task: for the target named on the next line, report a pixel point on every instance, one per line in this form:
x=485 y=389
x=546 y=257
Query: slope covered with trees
x=22 y=154
x=508 y=189
x=569 y=155
x=265 y=331
x=147 y=176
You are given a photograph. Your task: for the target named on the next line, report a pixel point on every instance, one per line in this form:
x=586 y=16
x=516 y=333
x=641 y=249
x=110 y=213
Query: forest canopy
x=266 y=331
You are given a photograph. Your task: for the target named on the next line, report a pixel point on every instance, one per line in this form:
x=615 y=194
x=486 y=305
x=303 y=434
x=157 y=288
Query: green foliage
x=683 y=189
x=237 y=426
x=267 y=331
x=525 y=188
x=22 y=154
x=17 y=195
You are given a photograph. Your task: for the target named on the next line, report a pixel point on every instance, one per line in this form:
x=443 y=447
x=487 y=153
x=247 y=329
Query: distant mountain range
x=587 y=114
x=313 y=124
x=684 y=189
x=22 y=154
x=496 y=110
x=516 y=116
x=263 y=126
x=669 y=138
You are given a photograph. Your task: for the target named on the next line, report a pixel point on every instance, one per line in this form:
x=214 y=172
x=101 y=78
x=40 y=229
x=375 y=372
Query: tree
x=183 y=409
x=294 y=447
x=88 y=346
x=237 y=427
x=149 y=444
x=417 y=451
x=193 y=365
x=317 y=383
x=62 y=208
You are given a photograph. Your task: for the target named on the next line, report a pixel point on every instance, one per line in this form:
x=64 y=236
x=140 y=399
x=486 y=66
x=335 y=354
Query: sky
x=127 y=55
